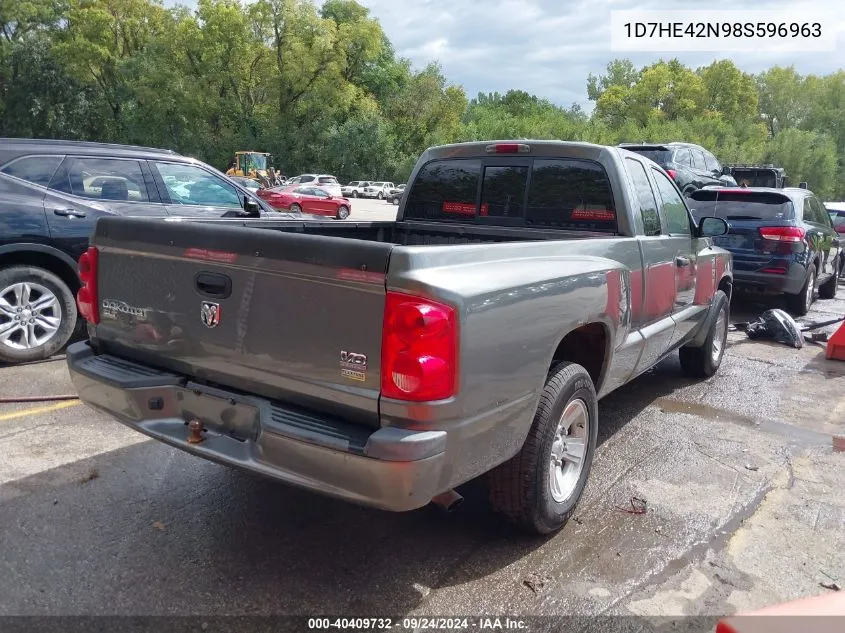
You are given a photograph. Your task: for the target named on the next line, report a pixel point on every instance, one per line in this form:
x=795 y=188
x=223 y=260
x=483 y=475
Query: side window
x=304 y=191
x=682 y=156
x=645 y=195
x=674 y=209
x=104 y=179
x=712 y=163
x=570 y=194
x=444 y=190
x=503 y=191
x=35 y=169
x=188 y=184
x=320 y=193
x=698 y=160
x=818 y=216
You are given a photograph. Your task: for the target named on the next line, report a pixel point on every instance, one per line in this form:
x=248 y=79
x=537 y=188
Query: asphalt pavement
x=742 y=489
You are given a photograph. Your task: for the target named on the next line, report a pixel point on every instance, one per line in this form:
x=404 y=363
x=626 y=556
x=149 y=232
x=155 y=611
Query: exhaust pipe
x=448 y=500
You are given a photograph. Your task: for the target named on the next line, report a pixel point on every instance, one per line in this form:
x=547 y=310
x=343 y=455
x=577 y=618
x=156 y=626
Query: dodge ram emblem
x=210 y=313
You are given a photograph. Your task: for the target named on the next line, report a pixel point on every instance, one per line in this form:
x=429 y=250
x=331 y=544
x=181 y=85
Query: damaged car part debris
x=778 y=325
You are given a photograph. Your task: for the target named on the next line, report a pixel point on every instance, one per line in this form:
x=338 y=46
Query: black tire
x=66 y=305
x=295 y=208
x=828 y=289
x=354 y=194
x=704 y=361
x=800 y=304
x=689 y=191
x=395 y=201
x=342 y=212
x=380 y=195
x=520 y=489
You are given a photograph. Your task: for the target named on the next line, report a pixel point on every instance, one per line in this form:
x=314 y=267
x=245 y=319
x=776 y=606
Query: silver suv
x=324 y=181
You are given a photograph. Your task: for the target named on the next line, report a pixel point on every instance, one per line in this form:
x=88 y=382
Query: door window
x=674 y=210
x=35 y=169
x=104 y=179
x=320 y=193
x=682 y=157
x=191 y=185
x=712 y=163
x=645 y=195
x=698 y=160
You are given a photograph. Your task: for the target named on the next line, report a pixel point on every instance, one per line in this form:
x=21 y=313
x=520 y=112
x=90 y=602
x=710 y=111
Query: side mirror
x=251 y=208
x=712 y=227
x=330 y=198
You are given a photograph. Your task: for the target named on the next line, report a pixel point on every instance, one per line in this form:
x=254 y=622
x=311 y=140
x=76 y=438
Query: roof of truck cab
x=57 y=146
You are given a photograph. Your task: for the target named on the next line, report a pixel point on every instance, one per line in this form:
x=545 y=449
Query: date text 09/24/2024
x=416 y=624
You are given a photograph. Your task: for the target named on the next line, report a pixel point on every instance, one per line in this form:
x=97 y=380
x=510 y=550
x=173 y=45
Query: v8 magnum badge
x=210 y=314
x=353 y=365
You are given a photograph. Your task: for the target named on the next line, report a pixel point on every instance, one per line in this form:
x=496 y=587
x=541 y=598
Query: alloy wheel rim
x=719 y=336
x=568 y=450
x=30 y=315
x=808 y=298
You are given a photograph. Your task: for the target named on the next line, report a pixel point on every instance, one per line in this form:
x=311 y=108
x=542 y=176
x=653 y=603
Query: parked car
x=377 y=190
x=324 y=181
x=521 y=282
x=395 y=194
x=246 y=183
x=51 y=194
x=782 y=240
x=355 y=188
x=690 y=166
x=311 y=200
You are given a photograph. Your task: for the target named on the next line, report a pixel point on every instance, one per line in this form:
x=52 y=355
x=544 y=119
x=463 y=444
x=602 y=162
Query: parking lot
x=364 y=210
x=742 y=488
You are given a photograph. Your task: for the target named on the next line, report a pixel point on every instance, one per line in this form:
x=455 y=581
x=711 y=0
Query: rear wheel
x=539 y=488
x=828 y=289
x=800 y=304
x=37 y=314
x=395 y=201
x=295 y=208
x=704 y=361
x=354 y=193
x=380 y=195
x=689 y=191
x=342 y=212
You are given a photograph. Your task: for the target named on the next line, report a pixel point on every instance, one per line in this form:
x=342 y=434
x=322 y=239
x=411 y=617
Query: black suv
x=51 y=194
x=690 y=166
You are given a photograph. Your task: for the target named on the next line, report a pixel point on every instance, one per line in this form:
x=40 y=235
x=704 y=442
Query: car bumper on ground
x=388 y=468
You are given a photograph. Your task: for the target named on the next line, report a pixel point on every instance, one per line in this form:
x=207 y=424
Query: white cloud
x=548 y=47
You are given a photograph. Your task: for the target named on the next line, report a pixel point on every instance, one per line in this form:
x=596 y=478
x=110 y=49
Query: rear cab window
x=562 y=193
x=741 y=205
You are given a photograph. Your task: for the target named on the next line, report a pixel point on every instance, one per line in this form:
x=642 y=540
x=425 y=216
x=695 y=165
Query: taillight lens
x=672 y=173
x=86 y=299
x=782 y=233
x=418 y=349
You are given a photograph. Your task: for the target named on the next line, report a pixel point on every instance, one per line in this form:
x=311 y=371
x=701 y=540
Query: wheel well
x=587 y=346
x=726 y=286
x=42 y=260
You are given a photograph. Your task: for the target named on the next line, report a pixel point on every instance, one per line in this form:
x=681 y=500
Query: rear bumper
x=389 y=468
x=790 y=283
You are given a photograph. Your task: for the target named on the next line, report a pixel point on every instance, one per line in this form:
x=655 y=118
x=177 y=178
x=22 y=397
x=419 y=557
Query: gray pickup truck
x=386 y=363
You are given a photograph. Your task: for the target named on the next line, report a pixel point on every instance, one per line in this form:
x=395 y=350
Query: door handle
x=69 y=213
x=682 y=261
x=213 y=285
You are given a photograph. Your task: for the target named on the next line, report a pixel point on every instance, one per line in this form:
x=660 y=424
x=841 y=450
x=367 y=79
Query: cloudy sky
x=548 y=47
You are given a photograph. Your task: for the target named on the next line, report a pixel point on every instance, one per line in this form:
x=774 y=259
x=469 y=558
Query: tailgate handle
x=213 y=285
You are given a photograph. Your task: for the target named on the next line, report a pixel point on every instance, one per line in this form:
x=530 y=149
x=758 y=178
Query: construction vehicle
x=759 y=175
x=255 y=165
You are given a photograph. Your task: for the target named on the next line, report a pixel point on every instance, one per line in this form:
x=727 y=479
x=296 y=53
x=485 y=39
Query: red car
x=306 y=199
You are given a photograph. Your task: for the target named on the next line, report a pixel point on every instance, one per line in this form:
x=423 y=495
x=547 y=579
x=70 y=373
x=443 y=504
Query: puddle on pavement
x=796 y=433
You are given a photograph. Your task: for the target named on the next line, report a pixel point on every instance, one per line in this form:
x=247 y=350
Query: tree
x=783 y=100
x=729 y=91
x=619 y=73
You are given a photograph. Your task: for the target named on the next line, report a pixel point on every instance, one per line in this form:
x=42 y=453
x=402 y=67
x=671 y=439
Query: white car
x=323 y=181
x=355 y=188
x=378 y=190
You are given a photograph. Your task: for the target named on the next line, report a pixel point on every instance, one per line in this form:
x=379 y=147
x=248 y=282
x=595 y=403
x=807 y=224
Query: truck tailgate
x=292 y=317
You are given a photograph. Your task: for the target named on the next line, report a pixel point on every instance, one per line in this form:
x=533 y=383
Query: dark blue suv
x=782 y=240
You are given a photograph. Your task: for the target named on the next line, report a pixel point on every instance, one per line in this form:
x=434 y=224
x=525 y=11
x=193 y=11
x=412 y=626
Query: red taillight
x=782 y=233
x=774 y=271
x=672 y=173
x=508 y=148
x=418 y=349
x=86 y=299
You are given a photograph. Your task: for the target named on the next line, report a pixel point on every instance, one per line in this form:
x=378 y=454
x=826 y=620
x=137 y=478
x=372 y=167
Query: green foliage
x=322 y=89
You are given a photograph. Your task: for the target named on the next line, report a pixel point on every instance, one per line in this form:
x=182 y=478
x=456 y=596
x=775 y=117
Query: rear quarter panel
x=517 y=302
